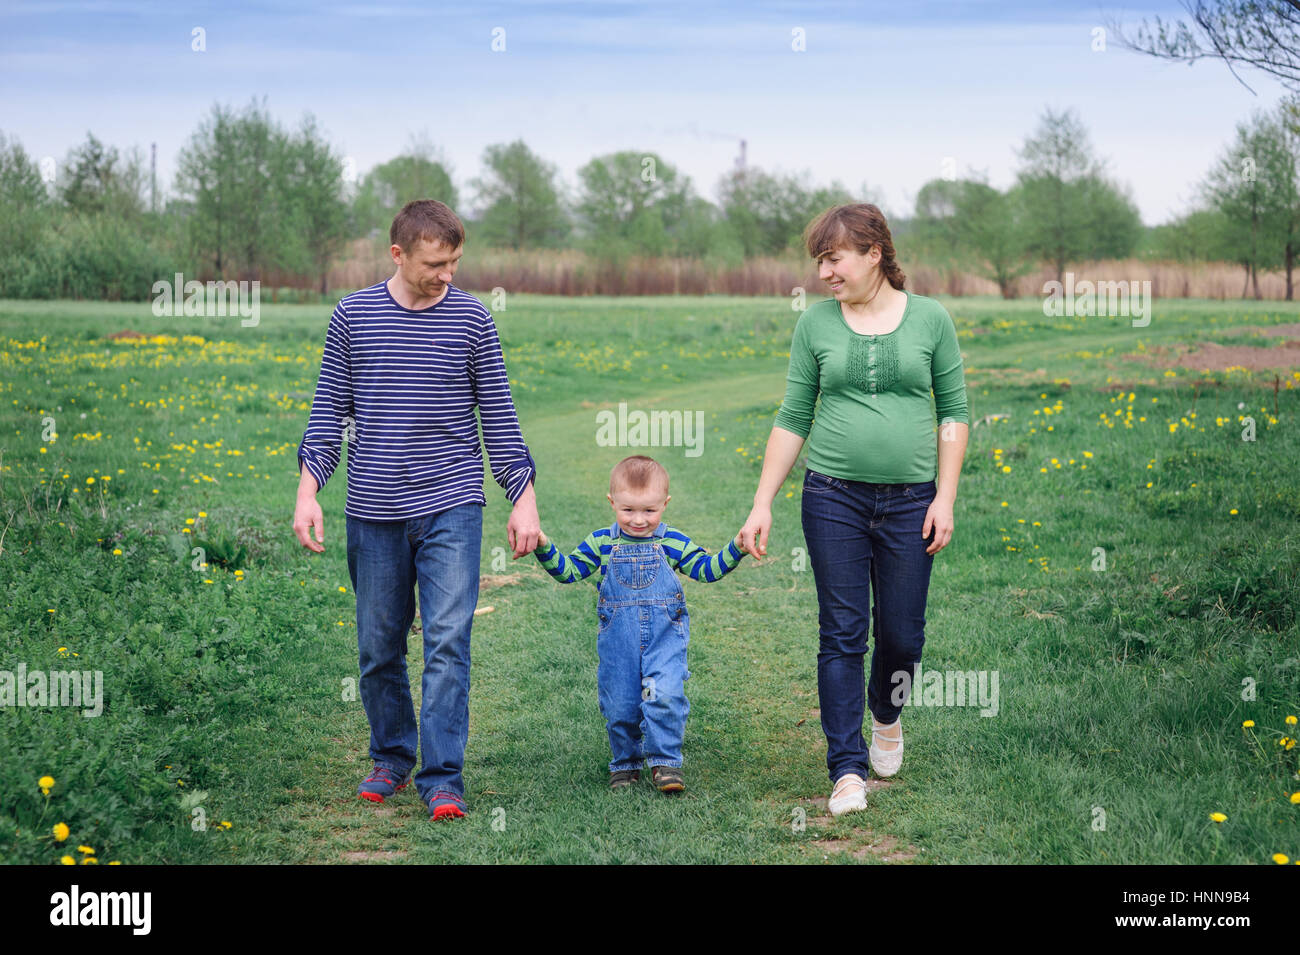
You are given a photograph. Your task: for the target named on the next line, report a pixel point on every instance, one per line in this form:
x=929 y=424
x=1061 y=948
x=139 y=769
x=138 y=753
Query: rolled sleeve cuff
x=518 y=479
x=314 y=469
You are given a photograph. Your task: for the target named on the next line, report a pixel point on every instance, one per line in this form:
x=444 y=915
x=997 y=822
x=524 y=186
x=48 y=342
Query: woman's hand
x=938 y=518
x=752 y=538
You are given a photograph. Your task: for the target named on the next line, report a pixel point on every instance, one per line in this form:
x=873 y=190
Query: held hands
x=752 y=538
x=523 y=530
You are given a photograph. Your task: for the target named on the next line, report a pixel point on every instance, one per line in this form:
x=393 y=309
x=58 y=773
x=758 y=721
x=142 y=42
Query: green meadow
x=1125 y=560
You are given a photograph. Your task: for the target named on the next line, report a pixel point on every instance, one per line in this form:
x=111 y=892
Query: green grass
x=1121 y=690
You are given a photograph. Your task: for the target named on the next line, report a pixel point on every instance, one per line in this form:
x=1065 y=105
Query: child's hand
x=542 y=542
x=739 y=542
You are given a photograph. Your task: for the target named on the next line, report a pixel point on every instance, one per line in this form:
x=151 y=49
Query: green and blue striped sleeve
x=697 y=563
x=579 y=565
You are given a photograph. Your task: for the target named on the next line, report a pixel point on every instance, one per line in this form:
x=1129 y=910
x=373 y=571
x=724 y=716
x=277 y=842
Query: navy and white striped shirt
x=400 y=386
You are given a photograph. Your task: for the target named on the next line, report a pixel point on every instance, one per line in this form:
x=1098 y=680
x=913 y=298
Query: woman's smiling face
x=850 y=274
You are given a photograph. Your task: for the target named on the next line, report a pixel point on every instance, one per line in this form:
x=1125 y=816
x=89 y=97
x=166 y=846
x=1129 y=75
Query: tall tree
x=386 y=188
x=973 y=226
x=519 y=198
x=24 y=203
x=631 y=201
x=1070 y=209
x=769 y=211
x=226 y=173
x=314 y=210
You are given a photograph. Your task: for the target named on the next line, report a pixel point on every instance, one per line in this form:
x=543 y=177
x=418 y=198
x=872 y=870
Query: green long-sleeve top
x=683 y=555
x=877 y=418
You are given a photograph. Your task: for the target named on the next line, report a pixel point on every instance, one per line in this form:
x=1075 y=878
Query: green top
x=877 y=418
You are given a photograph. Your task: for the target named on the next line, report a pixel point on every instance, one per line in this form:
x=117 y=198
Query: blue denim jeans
x=865 y=544
x=387 y=560
x=641 y=679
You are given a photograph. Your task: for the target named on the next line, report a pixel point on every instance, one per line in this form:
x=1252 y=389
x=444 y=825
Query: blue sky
x=882 y=94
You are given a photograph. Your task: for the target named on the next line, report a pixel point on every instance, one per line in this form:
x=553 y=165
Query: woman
x=879 y=491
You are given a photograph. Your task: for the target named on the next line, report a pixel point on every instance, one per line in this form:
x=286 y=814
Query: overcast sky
x=881 y=95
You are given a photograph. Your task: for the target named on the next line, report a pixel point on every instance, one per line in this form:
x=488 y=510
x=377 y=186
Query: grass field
x=228 y=733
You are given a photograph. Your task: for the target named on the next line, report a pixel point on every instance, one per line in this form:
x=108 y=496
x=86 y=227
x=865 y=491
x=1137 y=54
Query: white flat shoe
x=849 y=795
x=885 y=762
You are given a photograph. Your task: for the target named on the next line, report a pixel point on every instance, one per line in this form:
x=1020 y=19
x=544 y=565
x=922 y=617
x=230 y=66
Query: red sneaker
x=445 y=805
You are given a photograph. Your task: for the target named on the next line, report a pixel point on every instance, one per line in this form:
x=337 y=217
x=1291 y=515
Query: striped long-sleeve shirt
x=683 y=555
x=400 y=387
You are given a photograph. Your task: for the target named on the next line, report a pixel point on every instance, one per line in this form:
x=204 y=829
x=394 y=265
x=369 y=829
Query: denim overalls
x=644 y=630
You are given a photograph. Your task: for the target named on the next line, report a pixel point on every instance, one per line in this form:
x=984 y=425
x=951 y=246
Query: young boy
x=644 y=627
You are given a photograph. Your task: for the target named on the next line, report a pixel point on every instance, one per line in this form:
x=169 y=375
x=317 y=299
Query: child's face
x=639 y=512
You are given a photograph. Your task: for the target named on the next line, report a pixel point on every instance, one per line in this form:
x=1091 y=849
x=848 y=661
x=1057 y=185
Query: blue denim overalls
x=644 y=630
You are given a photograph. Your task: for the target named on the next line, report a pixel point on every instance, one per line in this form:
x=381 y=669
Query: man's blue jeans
x=864 y=542
x=440 y=553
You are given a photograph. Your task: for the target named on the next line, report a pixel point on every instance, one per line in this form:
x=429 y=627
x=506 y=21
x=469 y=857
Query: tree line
x=252 y=198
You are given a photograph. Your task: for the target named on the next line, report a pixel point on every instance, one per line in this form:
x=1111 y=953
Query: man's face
x=639 y=512
x=428 y=267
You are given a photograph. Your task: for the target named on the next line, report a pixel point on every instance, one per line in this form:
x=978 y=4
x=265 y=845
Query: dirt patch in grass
x=1209 y=356
x=863 y=843
x=379 y=856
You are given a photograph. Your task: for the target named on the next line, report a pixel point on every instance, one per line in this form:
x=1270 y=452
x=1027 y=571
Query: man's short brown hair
x=636 y=473
x=426 y=220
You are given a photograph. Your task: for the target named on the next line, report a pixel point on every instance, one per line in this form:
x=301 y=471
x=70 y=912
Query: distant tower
x=153 y=177
x=740 y=159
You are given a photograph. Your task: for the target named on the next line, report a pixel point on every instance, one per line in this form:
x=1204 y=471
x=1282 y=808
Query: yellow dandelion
x=86 y=850
x=1280 y=859
x=1290 y=721
x=117 y=552
x=343 y=590
x=60 y=831
x=189 y=520
x=1248 y=723
x=1233 y=511
x=1218 y=817
x=68 y=860
x=1004 y=504
x=1295 y=799
x=203 y=513
x=45 y=782
x=90 y=480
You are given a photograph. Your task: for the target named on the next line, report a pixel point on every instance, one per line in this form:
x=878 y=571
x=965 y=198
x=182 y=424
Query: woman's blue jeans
x=387 y=560
x=865 y=546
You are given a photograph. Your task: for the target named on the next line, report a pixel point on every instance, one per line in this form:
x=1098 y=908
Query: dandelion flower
x=1218 y=817
x=1233 y=511
x=68 y=860
x=1280 y=859
x=1290 y=721
x=1248 y=723
x=60 y=831
x=1295 y=799
x=86 y=850
x=45 y=782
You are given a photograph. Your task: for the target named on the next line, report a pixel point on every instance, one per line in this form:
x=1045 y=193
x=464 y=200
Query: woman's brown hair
x=858 y=226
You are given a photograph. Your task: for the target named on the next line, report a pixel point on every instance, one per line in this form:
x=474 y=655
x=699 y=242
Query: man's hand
x=524 y=528
x=307 y=516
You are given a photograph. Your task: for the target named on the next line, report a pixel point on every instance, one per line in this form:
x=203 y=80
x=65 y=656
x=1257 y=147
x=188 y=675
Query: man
x=406 y=362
